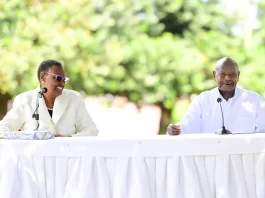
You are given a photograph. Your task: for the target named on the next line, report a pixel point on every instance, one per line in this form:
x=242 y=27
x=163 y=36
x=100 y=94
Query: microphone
x=35 y=113
x=223 y=130
x=42 y=91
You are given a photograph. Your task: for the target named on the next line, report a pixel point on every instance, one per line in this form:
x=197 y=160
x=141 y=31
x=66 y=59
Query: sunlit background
x=138 y=63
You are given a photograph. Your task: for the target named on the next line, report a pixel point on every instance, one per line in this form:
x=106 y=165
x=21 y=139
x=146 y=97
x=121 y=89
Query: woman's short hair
x=45 y=65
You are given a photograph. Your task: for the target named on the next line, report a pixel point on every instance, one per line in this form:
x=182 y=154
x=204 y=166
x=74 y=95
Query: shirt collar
x=230 y=99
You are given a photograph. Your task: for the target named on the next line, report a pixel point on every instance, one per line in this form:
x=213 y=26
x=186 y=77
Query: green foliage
x=179 y=109
x=151 y=50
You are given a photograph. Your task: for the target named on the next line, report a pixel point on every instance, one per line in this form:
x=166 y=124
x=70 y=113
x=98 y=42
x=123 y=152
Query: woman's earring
x=42 y=81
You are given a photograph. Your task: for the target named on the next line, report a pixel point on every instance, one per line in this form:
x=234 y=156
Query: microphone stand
x=223 y=130
x=36 y=113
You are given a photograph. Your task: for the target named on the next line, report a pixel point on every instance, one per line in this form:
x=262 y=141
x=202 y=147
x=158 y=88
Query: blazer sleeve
x=85 y=126
x=14 y=119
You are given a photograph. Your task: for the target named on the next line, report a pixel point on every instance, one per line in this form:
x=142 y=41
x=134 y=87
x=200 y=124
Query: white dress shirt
x=243 y=113
x=69 y=118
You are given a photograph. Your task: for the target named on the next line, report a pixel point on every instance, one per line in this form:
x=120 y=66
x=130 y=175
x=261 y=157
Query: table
x=185 y=166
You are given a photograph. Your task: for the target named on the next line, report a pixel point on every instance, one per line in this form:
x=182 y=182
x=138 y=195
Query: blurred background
x=138 y=63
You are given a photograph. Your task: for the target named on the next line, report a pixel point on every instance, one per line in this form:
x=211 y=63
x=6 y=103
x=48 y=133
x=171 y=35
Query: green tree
x=153 y=50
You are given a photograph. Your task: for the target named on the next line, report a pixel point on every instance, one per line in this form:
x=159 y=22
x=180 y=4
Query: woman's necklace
x=49 y=109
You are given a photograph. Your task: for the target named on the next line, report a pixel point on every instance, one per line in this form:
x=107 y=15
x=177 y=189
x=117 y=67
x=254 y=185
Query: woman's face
x=54 y=80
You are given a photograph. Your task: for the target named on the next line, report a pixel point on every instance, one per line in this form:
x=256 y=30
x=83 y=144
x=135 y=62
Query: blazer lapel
x=59 y=108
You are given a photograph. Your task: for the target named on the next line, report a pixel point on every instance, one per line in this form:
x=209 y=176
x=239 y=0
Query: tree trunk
x=3 y=104
x=165 y=118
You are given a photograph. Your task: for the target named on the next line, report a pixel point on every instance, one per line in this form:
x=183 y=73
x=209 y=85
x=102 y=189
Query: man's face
x=226 y=77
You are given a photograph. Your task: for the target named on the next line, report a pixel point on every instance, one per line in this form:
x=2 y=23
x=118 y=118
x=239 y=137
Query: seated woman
x=60 y=110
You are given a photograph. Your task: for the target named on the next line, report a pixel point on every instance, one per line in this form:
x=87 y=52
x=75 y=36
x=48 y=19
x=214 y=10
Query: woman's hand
x=58 y=135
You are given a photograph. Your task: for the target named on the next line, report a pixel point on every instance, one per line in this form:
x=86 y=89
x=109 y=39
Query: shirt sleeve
x=260 y=115
x=191 y=121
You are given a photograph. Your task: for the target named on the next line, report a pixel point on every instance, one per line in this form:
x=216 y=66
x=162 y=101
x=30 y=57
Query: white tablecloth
x=186 y=166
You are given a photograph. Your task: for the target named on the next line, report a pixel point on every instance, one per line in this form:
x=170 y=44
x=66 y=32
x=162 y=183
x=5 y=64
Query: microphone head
x=44 y=90
x=219 y=100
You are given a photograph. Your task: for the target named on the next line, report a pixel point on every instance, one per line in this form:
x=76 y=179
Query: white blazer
x=70 y=116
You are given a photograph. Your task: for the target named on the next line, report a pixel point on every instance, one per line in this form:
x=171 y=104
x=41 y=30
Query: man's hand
x=173 y=129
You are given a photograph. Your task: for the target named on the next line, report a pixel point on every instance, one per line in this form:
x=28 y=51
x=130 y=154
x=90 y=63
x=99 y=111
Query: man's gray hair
x=224 y=60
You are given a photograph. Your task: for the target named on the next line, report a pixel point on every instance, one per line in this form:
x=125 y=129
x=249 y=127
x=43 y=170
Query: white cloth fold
x=27 y=172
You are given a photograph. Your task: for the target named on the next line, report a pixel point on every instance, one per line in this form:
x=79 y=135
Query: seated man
x=243 y=110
